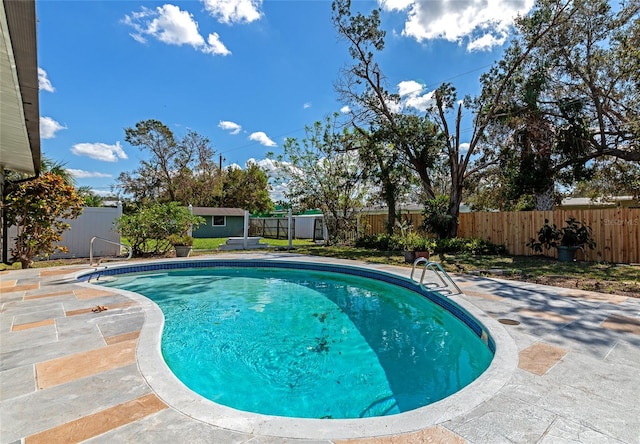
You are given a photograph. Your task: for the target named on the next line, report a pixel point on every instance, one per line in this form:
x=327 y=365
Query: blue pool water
x=310 y=344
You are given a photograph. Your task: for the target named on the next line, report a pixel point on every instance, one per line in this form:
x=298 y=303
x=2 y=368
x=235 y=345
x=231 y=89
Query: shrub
x=436 y=216
x=415 y=242
x=150 y=228
x=460 y=245
x=180 y=240
x=37 y=208
x=574 y=234
x=382 y=242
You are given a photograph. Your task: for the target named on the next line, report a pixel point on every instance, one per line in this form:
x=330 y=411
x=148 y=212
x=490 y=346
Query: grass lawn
x=593 y=276
x=211 y=244
x=603 y=277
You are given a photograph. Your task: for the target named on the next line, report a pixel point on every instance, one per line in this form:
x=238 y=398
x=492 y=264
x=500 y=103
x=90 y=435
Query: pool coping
x=175 y=394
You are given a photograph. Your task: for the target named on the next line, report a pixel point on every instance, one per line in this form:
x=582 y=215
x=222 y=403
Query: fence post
x=246 y=228
x=289 y=229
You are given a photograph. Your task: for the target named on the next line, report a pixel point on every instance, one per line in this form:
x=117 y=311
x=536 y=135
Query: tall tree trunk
x=455 y=200
x=390 y=198
x=544 y=201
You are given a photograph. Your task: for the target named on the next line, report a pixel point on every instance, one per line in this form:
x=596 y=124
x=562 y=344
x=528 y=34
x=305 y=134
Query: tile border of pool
x=173 y=392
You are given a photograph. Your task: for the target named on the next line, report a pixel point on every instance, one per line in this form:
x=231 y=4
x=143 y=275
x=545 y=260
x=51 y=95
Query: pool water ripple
x=308 y=344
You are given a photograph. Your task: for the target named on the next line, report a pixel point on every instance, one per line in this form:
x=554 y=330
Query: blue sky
x=244 y=73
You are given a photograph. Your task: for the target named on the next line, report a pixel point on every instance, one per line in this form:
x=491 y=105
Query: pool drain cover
x=509 y=321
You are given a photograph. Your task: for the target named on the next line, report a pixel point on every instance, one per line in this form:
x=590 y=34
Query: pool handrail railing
x=91 y=263
x=437 y=269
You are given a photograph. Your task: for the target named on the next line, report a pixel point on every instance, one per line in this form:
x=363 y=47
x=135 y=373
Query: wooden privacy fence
x=616 y=231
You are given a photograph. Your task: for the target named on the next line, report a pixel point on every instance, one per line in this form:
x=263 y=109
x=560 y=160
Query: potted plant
x=567 y=239
x=413 y=244
x=417 y=246
x=183 y=244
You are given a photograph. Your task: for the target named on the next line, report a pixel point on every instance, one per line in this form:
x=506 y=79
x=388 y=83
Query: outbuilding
x=219 y=222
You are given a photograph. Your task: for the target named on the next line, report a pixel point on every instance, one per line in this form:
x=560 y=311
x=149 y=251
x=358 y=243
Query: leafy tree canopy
x=570 y=112
x=185 y=171
x=323 y=174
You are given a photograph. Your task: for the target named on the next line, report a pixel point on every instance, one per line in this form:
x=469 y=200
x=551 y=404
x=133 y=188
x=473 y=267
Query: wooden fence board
x=616 y=230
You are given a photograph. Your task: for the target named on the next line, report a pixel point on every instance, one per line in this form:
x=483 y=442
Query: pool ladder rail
x=97 y=264
x=446 y=286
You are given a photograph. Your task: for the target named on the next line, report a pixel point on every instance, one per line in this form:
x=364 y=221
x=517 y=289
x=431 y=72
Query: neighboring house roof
x=20 y=110
x=587 y=202
x=407 y=208
x=210 y=211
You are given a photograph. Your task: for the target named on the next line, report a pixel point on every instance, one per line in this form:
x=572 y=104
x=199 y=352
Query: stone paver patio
x=71 y=372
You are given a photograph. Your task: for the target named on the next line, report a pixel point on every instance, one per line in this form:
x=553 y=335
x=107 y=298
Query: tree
x=177 y=170
x=611 y=178
x=323 y=174
x=387 y=172
x=36 y=208
x=581 y=80
x=413 y=144
x=154 y=179
x=200 y=180
x=414 y=141
x=362 y=86
x=91 y=199
x=247 y=189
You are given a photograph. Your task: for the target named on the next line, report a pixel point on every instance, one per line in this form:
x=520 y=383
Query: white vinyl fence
x=94 y=221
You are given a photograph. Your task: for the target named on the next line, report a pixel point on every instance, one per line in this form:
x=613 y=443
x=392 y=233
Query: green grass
x=595 y=276
x=611 y=278
x=211 y=244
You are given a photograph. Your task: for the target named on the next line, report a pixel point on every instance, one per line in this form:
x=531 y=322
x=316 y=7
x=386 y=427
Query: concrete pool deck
x=69 y=371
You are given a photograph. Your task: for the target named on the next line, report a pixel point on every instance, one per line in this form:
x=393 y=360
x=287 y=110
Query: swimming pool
x=306 y=343
x=320 y=345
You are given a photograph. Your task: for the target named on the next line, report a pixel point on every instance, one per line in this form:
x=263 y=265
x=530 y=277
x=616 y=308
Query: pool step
x=237 y=243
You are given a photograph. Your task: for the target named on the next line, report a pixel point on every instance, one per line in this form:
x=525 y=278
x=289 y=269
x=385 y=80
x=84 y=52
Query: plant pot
x=183 y=250
x=409 y=256
x=412 y=255
x=566 y=254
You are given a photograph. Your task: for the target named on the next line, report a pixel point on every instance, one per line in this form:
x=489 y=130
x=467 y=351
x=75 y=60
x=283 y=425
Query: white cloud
x=274 y=171
x=234 y=11
x=173 y=26
x=215 y=46
x=262 y=138
x=345 y=109
x=306 y=105
x=44 y=84
x=99 y=151
x=49 y=127
x=82 y=174
x=278 y=191
x=269 y=165
x=105 y=193
x=486 y=42
x=395 y=5
x=232 y=127
x=482 y=23
x=420 y=102
x=407 y=87
x=411 y=96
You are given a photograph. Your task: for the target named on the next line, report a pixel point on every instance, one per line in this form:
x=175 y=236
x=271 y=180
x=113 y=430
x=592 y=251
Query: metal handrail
x=110 y=242
x=440 y=273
